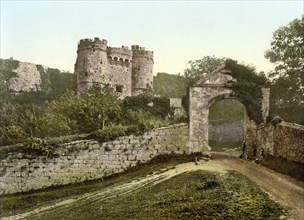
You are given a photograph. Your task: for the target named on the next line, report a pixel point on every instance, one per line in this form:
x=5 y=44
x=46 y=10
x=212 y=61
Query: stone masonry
x=127 y=71
x=88 y=160
x=284 y=140
x=202 y=95
x=28 y=78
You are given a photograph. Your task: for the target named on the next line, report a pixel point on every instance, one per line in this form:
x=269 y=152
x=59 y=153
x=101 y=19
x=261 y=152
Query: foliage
x=11 y=135
x=109 y=133
x=97 y=107
x=170 y=85
x=54 y=82
x=139 y=102
x=287 y=54
x=7 y=68
x=142 y=121
x=247 y=88
x=201 y=67
x=157 y=106
x=38 y=145
x=226 y=110
x=135 y=122
x=287 y=50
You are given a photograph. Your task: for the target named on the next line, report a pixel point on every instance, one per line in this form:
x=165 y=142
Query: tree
x=287 y=53
x=201 y=67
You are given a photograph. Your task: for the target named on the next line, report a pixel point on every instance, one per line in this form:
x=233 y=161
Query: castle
x=127 y=71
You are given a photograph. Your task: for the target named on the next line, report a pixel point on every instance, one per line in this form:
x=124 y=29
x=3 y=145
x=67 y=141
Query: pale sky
x=47 y=32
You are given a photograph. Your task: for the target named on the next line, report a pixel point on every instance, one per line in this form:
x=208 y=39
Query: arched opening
x=226 y=125
x=121 y=59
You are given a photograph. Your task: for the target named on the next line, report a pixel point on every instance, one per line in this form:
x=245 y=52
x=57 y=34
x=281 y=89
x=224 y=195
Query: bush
x=39 y=146
x=160 y=107
x=12 y=135
x=143 y=121
x=109 y=133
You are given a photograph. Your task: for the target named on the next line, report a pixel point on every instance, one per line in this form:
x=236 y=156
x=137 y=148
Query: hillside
x=170 y=85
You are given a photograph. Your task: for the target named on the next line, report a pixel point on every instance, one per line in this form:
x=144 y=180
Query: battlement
x=123 y=52
x=142 y=52
x=128 y=71
x=90 y=44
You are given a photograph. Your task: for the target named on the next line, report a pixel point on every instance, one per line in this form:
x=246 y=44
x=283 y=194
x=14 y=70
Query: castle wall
x=119 y=70
x=91 y=64
x=128 y=72
x=119 y=73
x=142 y=72
x=88 y=160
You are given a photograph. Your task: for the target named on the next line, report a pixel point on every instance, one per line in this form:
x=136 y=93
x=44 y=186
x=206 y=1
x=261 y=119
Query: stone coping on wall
x=84 y=160
x=284 y=124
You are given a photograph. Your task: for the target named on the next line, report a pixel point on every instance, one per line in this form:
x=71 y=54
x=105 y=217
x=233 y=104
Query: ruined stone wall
x=289 y=142
x=284 y=140
x=27 y=79
x=250 y=148
x=88 y=160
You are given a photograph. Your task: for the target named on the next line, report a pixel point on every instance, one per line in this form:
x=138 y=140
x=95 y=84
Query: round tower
x=91 y=64
x=142 y=70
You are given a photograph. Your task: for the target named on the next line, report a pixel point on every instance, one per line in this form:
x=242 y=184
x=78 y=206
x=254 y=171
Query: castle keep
x=127 y=71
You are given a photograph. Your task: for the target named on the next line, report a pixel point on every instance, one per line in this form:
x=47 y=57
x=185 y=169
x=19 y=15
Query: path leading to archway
x=287 y=191
x=283 y=189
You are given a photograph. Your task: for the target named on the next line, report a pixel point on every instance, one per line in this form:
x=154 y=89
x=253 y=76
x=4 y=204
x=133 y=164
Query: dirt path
x=286 y=191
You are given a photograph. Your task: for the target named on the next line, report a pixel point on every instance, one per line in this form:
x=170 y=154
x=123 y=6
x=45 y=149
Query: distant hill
x=169 y=85
x=33 y=82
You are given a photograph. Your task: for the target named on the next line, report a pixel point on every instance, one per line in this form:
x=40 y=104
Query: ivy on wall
x=248 y=88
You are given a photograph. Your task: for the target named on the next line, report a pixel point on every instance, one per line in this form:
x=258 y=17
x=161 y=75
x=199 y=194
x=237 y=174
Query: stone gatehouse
x=202 y=95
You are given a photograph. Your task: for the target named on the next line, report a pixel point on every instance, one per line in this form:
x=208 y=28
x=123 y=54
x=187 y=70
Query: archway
x=202 y=95
x=226 y=126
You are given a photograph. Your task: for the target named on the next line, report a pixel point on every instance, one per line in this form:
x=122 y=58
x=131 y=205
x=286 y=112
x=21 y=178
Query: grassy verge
x=194 y=195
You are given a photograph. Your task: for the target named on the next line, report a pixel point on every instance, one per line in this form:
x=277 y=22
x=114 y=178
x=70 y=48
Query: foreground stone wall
x=88 y=160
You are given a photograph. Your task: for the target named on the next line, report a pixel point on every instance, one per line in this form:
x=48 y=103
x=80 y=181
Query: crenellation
x=127 y=71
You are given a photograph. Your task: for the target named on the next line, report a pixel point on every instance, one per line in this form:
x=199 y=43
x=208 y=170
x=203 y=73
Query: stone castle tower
x=127 y=72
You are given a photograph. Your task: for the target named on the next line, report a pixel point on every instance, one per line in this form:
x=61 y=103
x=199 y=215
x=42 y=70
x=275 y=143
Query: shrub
x=109 y=133
x=160 y=107
x=39 y=146
x=12 y=135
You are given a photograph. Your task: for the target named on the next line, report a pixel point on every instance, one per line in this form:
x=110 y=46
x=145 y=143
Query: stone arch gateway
x=202 y=95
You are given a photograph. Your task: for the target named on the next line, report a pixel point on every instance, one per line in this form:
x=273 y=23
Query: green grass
x=193 y=195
